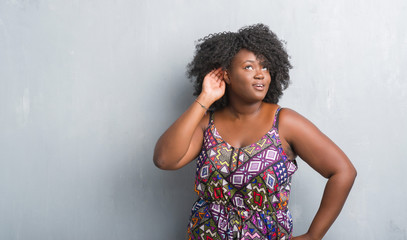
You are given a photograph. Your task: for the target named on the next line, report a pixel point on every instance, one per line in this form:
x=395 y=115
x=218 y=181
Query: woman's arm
x=182 y=141
x=325 y=157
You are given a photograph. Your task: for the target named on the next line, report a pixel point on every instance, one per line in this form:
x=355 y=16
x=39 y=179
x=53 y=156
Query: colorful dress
x=243 y=192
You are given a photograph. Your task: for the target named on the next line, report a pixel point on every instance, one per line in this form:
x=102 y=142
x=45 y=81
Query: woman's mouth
x=259 y=87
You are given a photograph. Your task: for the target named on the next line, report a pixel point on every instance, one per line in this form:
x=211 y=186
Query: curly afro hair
x=217 y=50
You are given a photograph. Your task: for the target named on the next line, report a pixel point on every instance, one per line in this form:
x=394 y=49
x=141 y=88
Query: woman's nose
x=259 y=74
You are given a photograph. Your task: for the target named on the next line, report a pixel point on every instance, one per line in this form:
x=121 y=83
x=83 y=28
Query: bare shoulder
x=292 y=123
x=289 y=116
x=297 y=131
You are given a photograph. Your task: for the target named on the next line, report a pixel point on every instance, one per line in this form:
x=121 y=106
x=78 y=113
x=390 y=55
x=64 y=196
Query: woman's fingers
x=214 y=73
x=217 y=73
x=213 y=84
x=214 y=76
x=220 y=73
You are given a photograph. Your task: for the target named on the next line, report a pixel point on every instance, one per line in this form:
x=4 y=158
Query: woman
x=246 y=146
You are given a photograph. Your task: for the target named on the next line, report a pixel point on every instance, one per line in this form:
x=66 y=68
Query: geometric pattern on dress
x=256 y=196
x=220 y=156
x=285 y=220
x=220 y=218
x=198 y=216
x=291 y=167
x=275 y=138
x=271 y=181
x=209 y=139
x=200 y=161
x=243 y=192
x=237 y=158
x=282 y=197
x=208 y=230
x=252 y=168
x=220 y=190
x=281 y=172
x=203 y=169
x=246 y=172
x=257 y=147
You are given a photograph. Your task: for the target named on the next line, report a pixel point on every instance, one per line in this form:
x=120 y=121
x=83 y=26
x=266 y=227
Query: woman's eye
x=248 y=67
x=265 y=68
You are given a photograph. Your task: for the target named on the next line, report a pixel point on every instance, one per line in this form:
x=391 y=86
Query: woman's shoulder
x=288 y=115
x=292 y=124
x=291 y=119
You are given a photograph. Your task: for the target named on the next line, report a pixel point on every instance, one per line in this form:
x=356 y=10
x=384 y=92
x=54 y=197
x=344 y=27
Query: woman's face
x=247 y=78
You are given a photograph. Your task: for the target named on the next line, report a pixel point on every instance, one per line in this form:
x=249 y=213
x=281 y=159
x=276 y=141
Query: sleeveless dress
x=243 y=192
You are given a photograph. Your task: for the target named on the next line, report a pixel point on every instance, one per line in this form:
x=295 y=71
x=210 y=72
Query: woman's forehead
x=245 y=55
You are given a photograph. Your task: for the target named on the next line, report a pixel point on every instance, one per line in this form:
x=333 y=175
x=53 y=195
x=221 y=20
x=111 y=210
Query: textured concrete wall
x=87 y=87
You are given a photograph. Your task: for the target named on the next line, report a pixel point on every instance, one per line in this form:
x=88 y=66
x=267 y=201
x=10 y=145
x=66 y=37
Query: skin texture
x=245 y=120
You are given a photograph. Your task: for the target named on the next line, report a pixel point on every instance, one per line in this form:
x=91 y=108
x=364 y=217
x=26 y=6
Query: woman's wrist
x=204 y=100
x=203 y=106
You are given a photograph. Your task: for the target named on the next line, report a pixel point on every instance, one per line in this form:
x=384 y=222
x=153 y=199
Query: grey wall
x=87 y=87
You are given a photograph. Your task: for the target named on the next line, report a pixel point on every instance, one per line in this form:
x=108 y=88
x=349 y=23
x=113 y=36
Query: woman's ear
x=226 y=77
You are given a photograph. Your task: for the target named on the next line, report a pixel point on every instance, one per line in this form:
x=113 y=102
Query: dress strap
x=276 y=115
x=210 y=117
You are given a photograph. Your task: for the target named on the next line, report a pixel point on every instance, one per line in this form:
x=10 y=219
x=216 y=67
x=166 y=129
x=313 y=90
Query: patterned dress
x=243 y=192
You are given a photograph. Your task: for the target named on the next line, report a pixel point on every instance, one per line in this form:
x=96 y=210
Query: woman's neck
x=239 y=110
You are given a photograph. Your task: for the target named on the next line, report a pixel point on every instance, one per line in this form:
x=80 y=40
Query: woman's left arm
x=318 y=151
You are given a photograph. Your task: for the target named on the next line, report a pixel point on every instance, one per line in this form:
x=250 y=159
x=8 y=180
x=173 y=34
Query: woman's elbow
x=159 y=162
x=159 y=157
x=163 y=163
x=347 y=174
x=353 y=173
x=350 y=174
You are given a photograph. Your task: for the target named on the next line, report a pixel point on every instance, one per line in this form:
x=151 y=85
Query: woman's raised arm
x=182 y=141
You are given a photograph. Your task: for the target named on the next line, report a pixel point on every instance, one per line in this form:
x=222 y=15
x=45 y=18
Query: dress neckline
x=216 y=132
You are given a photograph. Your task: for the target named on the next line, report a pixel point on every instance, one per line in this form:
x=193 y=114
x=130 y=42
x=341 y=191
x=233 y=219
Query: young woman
x=246 y=144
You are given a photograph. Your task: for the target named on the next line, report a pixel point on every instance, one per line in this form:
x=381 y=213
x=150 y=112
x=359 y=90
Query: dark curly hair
x=217 y=50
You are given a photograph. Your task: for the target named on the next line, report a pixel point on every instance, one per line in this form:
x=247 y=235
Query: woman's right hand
x=213 y=86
